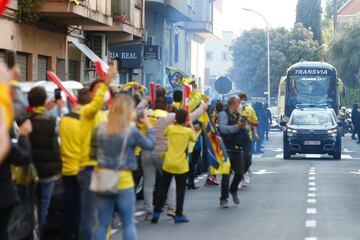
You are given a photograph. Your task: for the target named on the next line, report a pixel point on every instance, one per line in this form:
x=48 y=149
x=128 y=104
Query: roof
x=351 y=7
x=312 y=65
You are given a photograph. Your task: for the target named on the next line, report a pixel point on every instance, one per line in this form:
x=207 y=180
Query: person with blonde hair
x=120 y=135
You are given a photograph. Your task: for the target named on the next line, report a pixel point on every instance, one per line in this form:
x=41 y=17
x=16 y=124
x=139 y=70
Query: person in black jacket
x=355 y=117
x=45 y=148
x=19 y=155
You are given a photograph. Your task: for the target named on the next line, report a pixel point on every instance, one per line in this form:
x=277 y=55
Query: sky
x=277 y=12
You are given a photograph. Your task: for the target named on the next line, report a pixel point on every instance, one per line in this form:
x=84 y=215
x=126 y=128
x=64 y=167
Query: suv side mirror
x=283 y=123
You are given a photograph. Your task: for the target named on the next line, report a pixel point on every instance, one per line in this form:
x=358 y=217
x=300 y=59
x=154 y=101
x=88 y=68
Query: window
x=42 y=68
x=22 y=61
x=224 y=56
x=176 y=48
x=73 y=70
x=209 y=56
x=60 y=68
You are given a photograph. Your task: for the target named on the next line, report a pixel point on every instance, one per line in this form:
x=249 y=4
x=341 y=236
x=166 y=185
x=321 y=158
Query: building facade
x=40 y=36
x=349 y=13
x=179 y=29
x=218 y=60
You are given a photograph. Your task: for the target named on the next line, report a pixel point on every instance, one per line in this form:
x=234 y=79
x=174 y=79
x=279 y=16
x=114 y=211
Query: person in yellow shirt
x=252 y=123
x=91 y=115
x=111 y=137
x=175 y=165
x=69 y=133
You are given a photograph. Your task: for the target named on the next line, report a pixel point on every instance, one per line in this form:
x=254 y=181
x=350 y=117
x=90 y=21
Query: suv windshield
x=312 y=118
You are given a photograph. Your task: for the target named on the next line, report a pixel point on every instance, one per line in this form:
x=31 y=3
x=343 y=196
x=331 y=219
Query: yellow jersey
x=179 y=138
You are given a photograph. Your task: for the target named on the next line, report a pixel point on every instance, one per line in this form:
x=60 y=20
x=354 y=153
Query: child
x=175 y=164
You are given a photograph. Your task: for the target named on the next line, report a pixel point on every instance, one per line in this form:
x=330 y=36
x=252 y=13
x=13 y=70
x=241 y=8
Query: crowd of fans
x=162 y=139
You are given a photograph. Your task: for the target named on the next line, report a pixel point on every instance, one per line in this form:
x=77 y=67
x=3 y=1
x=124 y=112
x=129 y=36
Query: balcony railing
x=77 y=12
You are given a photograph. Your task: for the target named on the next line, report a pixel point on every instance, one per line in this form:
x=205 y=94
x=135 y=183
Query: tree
x=344 y=54
x=308 y=13
x=249 y=52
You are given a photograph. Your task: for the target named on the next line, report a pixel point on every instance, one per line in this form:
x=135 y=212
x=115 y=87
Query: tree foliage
x=331 y=8
x=249 y=52
x=344 y=54
x=308 y=13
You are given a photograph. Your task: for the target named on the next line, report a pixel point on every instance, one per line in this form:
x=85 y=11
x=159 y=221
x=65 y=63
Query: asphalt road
x=304 y=198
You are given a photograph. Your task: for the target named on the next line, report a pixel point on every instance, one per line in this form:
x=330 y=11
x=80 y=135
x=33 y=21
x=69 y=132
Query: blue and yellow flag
x=215 y=147
x=177 y=77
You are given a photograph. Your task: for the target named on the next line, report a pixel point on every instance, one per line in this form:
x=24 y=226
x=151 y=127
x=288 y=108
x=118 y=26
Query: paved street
x=308 y=198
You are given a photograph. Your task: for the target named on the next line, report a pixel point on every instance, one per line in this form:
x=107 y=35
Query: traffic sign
x=223 y=85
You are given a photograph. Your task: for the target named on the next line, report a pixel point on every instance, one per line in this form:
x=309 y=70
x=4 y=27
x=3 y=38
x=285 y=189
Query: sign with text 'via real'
x=130 y=55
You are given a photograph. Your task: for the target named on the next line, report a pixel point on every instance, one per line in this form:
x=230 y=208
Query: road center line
x=311 y=173
x=311 y=200
x=312 y=195
x=312 y=189
x=312 y=178
x=311 y=238
x=311 y=211
x=310 y=223
x=312 y=184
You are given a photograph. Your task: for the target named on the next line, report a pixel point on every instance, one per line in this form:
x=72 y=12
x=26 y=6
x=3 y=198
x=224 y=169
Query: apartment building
x=40 y=35
x=177 y=29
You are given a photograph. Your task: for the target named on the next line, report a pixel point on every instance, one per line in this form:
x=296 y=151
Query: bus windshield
x=312 y=89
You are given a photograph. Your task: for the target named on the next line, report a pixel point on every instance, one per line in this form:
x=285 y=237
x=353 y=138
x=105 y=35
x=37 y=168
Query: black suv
x=312 y=130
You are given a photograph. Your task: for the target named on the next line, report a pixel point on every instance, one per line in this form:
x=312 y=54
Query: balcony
x=77 y=12
x=174 y=10
x=127 y=18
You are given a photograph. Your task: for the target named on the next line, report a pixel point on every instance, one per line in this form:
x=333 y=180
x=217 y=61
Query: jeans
x=87 y=208
x=248 y=157
x=151 y=164
x=194 y=159
x=166 y=180
x=5 y=214
x=238 y=166
x=71 y=211
x=124 y=202
x=46 y=192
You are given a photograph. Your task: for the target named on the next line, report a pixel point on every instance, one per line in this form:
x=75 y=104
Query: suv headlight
x=333 y=132
x=291 y=132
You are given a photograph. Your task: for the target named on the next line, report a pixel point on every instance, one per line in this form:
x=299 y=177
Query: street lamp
x=268 y=49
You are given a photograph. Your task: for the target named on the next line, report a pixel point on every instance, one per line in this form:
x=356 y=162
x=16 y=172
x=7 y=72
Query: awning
x=90 y=54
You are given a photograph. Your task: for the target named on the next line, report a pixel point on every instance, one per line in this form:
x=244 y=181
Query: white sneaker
x=246 y=179
x=241 y=184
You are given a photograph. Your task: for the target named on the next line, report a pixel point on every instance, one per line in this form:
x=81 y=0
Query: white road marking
x=312 y=195
x=312 y=178
x=279 y=156
x=311 y=211
x=139 y=213
x=311 y=238
x=113 y=231
x=347 y=151
x=312 y=189
x=257 y=156
x=262 y=172
x=358 y=172
x=311 y=200
x=312 y=173
x=312 y=168
x=196 y=181
x=310 y=223
x=345 y=156
x=312 y=184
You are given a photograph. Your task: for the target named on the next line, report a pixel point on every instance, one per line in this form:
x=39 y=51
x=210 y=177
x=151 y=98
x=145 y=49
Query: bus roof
x=329 y=69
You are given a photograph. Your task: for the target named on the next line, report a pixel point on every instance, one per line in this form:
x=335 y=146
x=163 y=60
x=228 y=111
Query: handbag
x=105 y=181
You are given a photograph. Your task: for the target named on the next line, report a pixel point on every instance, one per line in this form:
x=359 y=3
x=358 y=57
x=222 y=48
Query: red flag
x=58 y=83
x=152 y=92
x=99 y=70
x=187 y=91
x=3 y=4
